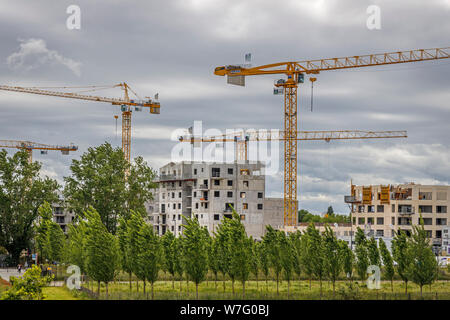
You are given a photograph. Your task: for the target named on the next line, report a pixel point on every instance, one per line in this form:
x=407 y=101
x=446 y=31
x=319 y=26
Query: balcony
x=203 y=187
x=405 y=210
x=351 y=199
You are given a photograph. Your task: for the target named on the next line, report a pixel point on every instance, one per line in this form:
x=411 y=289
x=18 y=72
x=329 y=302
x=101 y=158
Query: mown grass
x=58 y=293
x=299 y=290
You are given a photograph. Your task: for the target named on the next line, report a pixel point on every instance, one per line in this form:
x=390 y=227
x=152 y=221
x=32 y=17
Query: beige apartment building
x=382 y=210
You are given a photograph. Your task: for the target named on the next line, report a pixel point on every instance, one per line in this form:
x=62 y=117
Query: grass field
x=299 y=290
x=58 y=293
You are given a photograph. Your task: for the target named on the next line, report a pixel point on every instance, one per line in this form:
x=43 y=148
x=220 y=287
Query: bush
x=349 y=291
x=28 y=287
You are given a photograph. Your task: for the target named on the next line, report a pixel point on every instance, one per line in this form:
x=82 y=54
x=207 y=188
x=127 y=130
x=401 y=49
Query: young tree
x=102 y=250
x=239 y=250
x=134 y=240
x=22 y=192
x=223 y=249
x=388 y=263
x=179 y=264
x=263 y=258
x=305 y=260
x=50 y=237
x=169 y=255
x=295 y=239
x=254 y=261
x=424 y=266
x=151 y=256
x=402 y=255
x=195 y=252
x=333 y=257
x=362 y=258
x=76 y=245
x=213 y=258
x=316 y=253
x=27 y=287
x=373 y=252
x=273 y=246
x=287 y=257
x=348 y=258
x=124 y=248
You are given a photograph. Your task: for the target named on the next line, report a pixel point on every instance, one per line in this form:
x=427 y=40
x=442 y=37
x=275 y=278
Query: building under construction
x=382 y=210
x=207 y=191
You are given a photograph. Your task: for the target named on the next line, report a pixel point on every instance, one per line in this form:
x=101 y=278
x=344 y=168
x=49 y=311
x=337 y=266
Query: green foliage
x=348 y=258
x=373 y=252
x=362 y=256
x=333 y=255
x=75 y=249
x=274 y=251
x=287 y=255
x=424 y=266
x=22 y=192
x=98 y=180
x=168 y=264
x=195 y=251
x=388 y=262
x=402 y=255
x=295 y=239
x=316 y=252
x=102 y=249
x=50 y=237
x=331 y=217
x=27 y=287
x=151 y=256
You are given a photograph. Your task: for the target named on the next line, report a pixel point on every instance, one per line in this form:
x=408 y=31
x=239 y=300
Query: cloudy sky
x=172 y=47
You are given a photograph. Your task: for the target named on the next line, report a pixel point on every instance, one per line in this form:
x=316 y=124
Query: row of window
x=402 y=208
x=400 y=221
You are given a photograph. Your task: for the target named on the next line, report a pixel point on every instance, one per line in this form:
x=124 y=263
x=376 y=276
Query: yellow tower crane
x=126 y=105
x=294 y=72
x=241 y=138
x=30 y=146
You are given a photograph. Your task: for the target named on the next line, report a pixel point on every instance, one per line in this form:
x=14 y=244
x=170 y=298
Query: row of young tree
x=230 y=254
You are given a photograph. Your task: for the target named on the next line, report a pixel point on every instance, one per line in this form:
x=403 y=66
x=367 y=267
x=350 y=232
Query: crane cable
x=312 y=79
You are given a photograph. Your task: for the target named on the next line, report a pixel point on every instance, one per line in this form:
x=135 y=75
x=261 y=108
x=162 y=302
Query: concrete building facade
x=383 y=210
x=206 y=191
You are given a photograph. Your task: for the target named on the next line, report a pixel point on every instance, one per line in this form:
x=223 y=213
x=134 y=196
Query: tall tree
x=98 y=180
x=287 y=257
x=424 y=266
x=76 y=249
x=348 y=258
x=124 y=248
x=50 y=237
x=316 y=253
x=362 y=257
x=254 y=261
x=388 y=263
x=22 y=192
x=169 y=255
x=151 y=255
x=305 y=256
x=402 y=255
x=295 y=239
x=134 y=239
x=273 y=246
x=179 y=265
x=102 y=251
x=213 y=259
x=222 y=236
x=264 y=263
x=195 y=252
x=373 y=252
x=333 y=256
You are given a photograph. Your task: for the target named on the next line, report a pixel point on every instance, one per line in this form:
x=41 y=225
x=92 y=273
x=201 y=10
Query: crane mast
x=294 y=72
